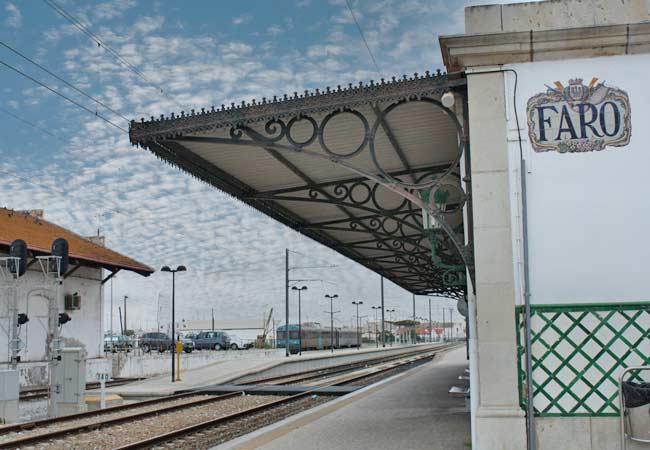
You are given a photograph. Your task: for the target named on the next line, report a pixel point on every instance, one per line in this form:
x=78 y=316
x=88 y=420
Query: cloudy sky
x=87 y=177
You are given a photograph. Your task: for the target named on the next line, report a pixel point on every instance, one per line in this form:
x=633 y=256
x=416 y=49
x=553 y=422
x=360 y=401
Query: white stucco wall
x=587 y=220
x=84 y=330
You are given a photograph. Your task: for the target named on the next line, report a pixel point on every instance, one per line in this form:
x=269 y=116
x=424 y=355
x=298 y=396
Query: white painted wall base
x=500 y=428
x=581 y=433
x=130 y=365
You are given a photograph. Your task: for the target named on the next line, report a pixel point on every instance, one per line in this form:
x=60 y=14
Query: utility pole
x=444 y=326
x=125 y=298
x=332 y=297
x=383 y=331
x=286 y=301
x=212 y=319
x=376 y=330
x=358 y=324
x=430 y=335
x=390 y=321
x=451 y=312
x=111 y=315
x=414 y=326
x=119 y=310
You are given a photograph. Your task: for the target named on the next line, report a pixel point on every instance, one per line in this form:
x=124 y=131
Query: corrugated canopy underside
x=317 y=196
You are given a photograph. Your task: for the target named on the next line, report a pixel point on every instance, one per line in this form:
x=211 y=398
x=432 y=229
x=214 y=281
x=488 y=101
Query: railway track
x=43 y=392
x=188 y=417
x=315 y=374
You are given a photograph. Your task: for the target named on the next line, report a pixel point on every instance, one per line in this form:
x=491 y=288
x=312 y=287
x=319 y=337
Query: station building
x=515 y=183
x=80 y=296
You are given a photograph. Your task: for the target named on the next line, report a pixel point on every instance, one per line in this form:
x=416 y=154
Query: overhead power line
x=100 y=43
x=31 y=124
x=54 y=91
x=347 y=2
x=70 y=85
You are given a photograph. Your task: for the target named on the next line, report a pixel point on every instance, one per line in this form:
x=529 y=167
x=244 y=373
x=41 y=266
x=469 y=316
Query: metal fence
x=578 y=351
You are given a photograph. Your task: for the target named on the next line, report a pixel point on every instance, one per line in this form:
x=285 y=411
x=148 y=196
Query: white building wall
x=85 y=328
x=587 y=221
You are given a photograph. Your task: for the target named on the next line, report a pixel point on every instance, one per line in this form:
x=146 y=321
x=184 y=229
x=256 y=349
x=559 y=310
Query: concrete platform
x=411 y=411
x=226 y=371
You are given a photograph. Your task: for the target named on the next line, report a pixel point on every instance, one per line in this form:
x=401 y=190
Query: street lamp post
x=125 y=299
x=376 y=308
x=358 y=332
x=390 y=321
x=331 y=297
x=304 y=288
x=173 y=272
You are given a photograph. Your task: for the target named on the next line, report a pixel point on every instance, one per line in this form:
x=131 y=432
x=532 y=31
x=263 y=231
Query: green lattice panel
x=578 y=352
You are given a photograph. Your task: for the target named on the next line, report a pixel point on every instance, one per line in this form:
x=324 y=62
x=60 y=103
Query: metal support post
x=286 y=301
x=430 y=330
x=173 y=349
x=444 y=326
x=383 y=333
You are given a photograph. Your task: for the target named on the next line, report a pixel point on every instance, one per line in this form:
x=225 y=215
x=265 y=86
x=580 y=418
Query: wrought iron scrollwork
x=440 y=195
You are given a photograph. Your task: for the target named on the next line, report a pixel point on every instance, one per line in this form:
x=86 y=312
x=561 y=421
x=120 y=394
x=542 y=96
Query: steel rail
x=29 y=394
x=411 y=357
x=166 y=437
x=27 y=426
x=325 y=371
x=27 y=440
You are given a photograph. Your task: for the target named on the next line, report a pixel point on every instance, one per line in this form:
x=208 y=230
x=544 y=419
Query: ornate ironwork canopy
x=375 y=172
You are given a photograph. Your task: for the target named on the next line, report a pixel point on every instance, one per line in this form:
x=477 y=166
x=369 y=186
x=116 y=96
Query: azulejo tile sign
x=579 y=117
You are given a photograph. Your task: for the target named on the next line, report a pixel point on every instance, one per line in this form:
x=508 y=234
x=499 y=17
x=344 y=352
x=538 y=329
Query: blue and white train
x=315 y=337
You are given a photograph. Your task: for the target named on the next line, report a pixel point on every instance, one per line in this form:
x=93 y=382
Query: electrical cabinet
x=70 y=376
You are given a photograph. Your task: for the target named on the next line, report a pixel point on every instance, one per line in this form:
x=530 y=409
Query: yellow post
x=179 y=349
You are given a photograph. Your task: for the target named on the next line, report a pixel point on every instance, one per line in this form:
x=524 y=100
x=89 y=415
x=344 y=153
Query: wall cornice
x=473 y=50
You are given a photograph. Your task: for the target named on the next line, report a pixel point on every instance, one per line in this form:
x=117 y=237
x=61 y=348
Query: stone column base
x=500 y=428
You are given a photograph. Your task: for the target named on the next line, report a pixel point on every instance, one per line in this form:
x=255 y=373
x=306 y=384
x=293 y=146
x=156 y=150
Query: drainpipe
x=473 y=364
x=529 y=348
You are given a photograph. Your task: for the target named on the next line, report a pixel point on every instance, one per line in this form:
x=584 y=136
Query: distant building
x=81 y=296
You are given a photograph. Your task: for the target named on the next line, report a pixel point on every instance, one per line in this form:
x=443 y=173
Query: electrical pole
x=212 y=319
x=383 y=331
x=430 y=335
x=125 y=298
x=332 y=297
x=286 y=301
x=414 y=326
x=358 y=324
x=376 y=330
x=444 y=326
x=451 y=313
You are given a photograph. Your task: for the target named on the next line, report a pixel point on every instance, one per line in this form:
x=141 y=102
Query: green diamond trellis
x=578 y=352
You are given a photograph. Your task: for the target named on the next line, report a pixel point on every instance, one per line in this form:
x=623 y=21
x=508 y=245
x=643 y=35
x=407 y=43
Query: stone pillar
x=500 y=422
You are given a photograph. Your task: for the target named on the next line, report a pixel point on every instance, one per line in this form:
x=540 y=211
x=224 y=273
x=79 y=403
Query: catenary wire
x=363 y=37
x=54 y=91
x=100 y=43
x=32 y=124
x=70 y=85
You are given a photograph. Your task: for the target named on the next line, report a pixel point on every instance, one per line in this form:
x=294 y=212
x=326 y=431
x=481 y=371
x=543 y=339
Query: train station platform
x=225 y=371
x=411 y=411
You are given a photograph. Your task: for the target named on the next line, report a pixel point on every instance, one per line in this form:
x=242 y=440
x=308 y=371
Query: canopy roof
x=305 y=160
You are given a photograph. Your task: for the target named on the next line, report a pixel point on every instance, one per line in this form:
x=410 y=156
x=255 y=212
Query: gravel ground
x=117 y=435
x=223 y=433
x=92 y=419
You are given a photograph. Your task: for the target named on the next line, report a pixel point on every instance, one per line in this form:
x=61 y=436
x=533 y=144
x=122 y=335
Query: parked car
x=212 y=340
x=118 y=343
x=155 y=341
x=237 y=343
x=188 y=343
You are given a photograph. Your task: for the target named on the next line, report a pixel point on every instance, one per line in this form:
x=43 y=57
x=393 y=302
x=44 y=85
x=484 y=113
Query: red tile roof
x=39 y=234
